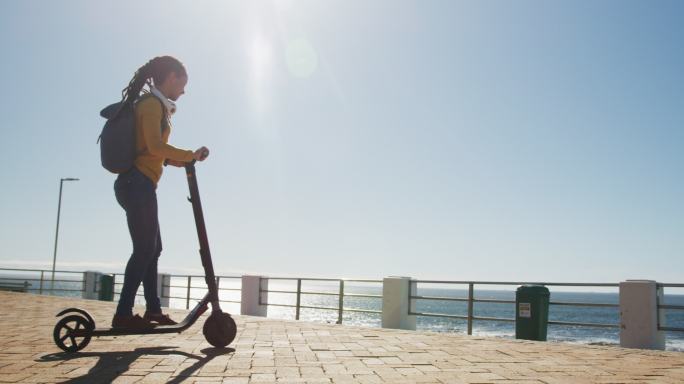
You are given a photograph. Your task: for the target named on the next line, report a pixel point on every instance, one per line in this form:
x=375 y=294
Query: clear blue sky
x=514 y=140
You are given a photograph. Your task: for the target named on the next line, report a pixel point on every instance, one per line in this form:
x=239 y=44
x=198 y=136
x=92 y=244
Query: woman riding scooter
x=136 y=189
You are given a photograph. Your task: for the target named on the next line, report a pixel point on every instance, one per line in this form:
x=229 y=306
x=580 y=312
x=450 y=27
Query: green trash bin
x=531 y=312
x=106 y=292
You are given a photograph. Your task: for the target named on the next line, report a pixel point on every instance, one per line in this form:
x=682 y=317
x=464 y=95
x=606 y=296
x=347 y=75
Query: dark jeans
x=137 y=195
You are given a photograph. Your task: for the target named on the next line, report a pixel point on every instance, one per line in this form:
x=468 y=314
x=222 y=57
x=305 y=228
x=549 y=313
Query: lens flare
x=301 y=58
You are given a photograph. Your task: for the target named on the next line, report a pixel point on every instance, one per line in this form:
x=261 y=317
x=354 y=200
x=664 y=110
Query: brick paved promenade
x=275 y=351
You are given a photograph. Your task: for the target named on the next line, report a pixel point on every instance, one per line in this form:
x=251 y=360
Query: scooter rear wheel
x=219 y=329
x=72 y=333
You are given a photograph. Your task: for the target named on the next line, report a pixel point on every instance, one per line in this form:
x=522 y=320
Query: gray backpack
x=117 y=140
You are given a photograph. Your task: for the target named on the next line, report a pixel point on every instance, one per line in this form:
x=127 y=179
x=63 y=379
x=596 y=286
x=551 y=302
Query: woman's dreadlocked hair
x=157 y=70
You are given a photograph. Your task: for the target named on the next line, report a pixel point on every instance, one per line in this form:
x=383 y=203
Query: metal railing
x=668 y=306
x=341 y=294
x=187 y=288
x=13 y=285
x=39 y=280
x=471 y=300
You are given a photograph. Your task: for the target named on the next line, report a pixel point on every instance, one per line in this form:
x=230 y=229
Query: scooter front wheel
x=72 y=333
x=219 y=329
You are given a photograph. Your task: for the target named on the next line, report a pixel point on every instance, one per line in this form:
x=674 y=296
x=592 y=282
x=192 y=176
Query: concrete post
x=164 y=288
x=250 y=304
x=639 y=315
x=396 y=303
x=91 y=284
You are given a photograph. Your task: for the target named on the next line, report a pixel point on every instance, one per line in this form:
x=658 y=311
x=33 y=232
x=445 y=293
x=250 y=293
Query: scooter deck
x=186 y=323
x=178 y=328
x=119 y=331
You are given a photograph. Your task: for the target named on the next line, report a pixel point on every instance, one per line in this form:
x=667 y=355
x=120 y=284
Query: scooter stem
x=205 y=253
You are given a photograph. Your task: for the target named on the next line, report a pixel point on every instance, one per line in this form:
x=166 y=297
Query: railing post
x=254 y=296
x=299 y=297
x=187 y=297
x=470 y=307
x=164 y=288
x=396 y=304
x=90 y=281
x=114 y=293
x=341 y=303
x=639 y=315
x=40 y=291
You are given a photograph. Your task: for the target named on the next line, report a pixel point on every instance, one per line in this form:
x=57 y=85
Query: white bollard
x=396 y=303
x=164 y=288
x=251 y=290
x=91 y=284
x=639 y=315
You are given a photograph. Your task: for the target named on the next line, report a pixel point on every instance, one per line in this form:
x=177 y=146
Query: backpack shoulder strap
x=148 y=95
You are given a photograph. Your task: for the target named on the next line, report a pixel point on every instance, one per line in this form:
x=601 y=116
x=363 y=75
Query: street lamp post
x=59 y=208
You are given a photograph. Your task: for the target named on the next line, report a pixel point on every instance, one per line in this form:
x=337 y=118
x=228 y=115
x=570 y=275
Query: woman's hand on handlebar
x=201 y=154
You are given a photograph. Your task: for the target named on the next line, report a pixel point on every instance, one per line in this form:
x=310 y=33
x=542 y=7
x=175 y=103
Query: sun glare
x=261 y=57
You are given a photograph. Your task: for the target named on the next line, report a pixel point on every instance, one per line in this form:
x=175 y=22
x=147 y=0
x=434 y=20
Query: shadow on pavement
x=113 y=364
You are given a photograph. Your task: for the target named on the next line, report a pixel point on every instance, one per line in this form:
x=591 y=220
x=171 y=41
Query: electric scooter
x=74 y=331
